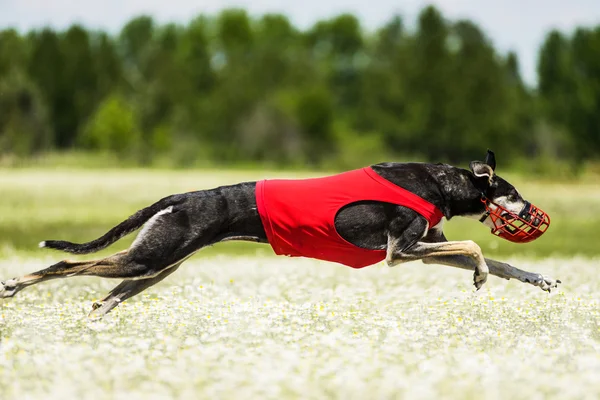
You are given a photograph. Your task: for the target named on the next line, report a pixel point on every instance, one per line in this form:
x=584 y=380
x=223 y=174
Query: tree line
x=231 y=88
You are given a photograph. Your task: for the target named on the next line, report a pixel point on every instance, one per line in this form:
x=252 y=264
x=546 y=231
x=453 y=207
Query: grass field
x=83 y=204
x=252 y=327
x=236 y=322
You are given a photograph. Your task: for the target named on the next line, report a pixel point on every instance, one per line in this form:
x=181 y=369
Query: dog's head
x=506 y=212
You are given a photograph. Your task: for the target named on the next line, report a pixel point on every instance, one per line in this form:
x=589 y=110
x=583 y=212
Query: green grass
x=237 y=323
x=80 y=205
x=279 y=328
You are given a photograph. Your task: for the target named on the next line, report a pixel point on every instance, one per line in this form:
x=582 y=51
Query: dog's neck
x=461 y=195
x=453 y=190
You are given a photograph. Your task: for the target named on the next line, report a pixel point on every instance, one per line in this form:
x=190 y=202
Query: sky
x=518 y=25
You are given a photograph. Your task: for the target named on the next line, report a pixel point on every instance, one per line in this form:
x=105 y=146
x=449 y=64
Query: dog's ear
x=490 y=159
x=482 y=170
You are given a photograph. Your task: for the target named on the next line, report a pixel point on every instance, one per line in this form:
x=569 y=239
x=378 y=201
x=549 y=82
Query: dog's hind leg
x=157 y=247
x=116 y=266
x=125 y=290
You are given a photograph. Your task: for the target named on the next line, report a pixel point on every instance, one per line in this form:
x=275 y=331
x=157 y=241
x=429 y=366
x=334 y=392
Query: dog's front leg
x=421 y=250
x=499 y=269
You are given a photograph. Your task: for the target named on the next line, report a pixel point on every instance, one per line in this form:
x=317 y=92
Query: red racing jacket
x=299 y=215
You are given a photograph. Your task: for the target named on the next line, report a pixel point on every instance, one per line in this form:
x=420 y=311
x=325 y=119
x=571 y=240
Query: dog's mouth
x=529 y=224
x=527 y=217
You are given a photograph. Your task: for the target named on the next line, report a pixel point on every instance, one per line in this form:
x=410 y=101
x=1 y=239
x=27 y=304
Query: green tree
x=521 y=106
x=163 y=84
x=193 y=59
x=236 y=88
x=477 y=113
x=24 y=126
x=429 y=89
x=107 y=65
x=315 y=115
x=13 y=54
x=584 y=115
x=79 y=85
x=557 y=98
x=112 y=128
x=134 y=39
x=384 y=97
x=45 y=67
x=554 y=80
x=237 y=92
x=337 y=45
x=234 y=33
x=276 y=51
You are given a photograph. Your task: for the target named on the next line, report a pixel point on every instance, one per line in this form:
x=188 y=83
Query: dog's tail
x=124 y=228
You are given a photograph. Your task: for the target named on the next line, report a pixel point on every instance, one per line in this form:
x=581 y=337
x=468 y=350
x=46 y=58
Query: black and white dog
x=179 y=225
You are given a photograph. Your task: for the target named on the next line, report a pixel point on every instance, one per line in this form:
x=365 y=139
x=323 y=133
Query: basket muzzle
x=528 y=225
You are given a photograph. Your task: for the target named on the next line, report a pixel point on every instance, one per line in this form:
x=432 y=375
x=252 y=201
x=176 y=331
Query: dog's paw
x=96 y=313
x=8 y=288
x=479 y=278
x=97 y=304
x=546 y=283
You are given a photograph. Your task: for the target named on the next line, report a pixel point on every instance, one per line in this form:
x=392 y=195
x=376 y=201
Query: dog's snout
x=531 y=215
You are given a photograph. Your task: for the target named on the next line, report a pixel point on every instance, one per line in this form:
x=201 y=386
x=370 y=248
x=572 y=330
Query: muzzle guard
x=528 y=225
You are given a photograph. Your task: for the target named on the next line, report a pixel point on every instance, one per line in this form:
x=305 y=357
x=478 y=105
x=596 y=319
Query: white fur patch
x=439 y=227
x=426 y=230
x=42 y=244
x=148 y=225
x=514 y=207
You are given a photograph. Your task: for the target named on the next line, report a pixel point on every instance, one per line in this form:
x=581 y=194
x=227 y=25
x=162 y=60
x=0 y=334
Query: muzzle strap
x=526 y=211
x=484 y=216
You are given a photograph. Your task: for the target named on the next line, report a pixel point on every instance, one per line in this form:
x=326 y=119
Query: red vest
x=298 y=215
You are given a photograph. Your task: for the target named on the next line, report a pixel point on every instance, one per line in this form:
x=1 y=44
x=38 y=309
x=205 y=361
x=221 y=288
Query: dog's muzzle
x=528 y=225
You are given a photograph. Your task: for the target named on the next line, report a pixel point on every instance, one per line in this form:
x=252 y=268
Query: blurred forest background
x=235 y=90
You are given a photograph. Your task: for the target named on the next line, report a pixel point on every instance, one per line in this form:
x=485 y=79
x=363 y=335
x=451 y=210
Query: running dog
x=389 y=211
